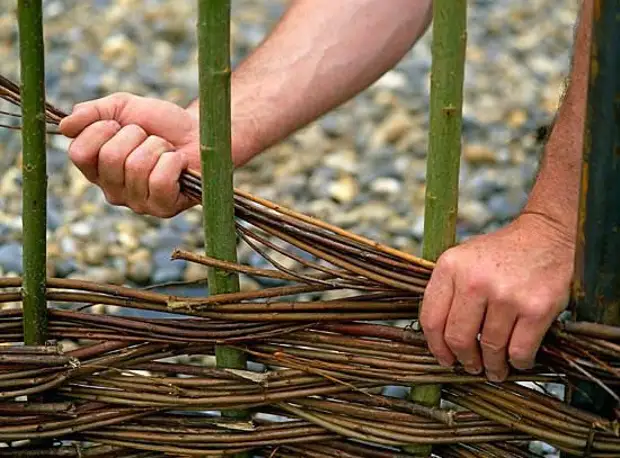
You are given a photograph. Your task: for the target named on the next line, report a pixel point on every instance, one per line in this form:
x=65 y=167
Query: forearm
x=322 y=53
x=556 y=191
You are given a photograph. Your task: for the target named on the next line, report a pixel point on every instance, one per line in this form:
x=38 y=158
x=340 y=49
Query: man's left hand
x=491 y=299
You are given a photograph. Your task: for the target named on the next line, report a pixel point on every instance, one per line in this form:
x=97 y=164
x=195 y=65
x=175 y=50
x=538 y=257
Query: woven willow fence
x=281 y=371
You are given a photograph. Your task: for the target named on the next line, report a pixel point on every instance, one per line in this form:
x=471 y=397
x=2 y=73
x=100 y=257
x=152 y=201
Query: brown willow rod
x=255 y=216
x=366 y=432
x=559 y=439
x=247 y=237
x=344 y=244
x=346 y=264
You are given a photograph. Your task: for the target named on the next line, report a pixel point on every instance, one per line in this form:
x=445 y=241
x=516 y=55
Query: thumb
x=157 y=117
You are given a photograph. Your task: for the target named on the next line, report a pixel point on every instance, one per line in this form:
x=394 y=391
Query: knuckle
x=430 y=324
x=520 y=356
x=502 y=292
x=120 y=98
x=160 y=212
x=536 y=308
x=76 y=154
x=160 y=186
x=109 y=151
x=138 y=209
x=117 y=103
x=110 y=127
x=493 y=347
x=134 y=165
x=154 y=141
x=113 y=198
x=135 y=129
x=457 y=342
x=448 y=261
x=474 y=283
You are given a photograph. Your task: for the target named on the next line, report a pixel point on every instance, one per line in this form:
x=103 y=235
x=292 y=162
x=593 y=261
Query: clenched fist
x=135 y=148
x=491 y=300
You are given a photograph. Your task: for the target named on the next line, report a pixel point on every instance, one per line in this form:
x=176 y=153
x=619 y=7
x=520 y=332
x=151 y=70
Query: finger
x=463 y=325
x=498 y=325
x=164 y=188
x=526 y=338
x=435 y=308
x=138 y=167
x=156 y=117
x=84 y=150
x=113 y=154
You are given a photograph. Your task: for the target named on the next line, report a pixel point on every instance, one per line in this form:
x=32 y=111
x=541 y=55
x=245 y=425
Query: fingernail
x=444 y=362
x=473 y=370
x=493 y=377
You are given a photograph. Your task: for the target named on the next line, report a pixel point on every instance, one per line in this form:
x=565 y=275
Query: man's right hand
x=134 y=149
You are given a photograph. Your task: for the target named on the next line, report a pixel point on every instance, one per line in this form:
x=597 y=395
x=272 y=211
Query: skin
x=319 y=55
x=523 y=271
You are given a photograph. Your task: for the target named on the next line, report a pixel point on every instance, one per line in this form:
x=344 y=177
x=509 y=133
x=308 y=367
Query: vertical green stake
x=444 y=150
x=216 y=156
x=596 y=286
x=34 y=170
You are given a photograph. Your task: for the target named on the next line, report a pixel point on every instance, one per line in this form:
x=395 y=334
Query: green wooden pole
x=596 y=286
x=34 y=170
x=216 y=156
x=444 y=150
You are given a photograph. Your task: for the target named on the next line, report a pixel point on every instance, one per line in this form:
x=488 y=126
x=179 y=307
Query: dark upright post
x=597 y=263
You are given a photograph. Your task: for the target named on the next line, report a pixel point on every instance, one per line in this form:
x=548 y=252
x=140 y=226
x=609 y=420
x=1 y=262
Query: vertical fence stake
x=34 y=195
x=444 y=150
x=596 y=286
x=216 y=157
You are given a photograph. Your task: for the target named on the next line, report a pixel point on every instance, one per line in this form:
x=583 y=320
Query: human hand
x=509 y=286
x=135 y=148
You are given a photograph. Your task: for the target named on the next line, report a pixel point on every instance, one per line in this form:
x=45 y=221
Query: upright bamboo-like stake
x=216 y=155
x=34 y=170
x=596 y=286
x=444 y=149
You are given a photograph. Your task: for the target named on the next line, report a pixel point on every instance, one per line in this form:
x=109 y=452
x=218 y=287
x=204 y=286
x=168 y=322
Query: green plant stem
x=34 y=170
x=442 y=175
x=216 y=156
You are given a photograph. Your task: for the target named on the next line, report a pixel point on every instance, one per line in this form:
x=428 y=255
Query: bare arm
x=556 y=191
x=523 y=271
x=322 y=53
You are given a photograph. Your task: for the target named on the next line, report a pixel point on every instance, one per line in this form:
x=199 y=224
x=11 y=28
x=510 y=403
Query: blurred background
x=361 y=167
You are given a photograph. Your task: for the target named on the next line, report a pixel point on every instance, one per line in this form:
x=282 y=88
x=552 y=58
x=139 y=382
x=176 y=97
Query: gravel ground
x=361 y=167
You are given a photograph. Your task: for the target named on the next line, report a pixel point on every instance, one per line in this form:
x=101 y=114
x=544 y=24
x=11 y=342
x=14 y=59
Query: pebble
x=105 y=275
x=11 y=257
x=195 y=272
x=95 y=253
x=139 y=267
x=503 y=206
x=475 y=214
x=247 y=284
x=392 y=129
x=386 y=186
x=477 y=154
x=344 y=190
x=345 y=160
